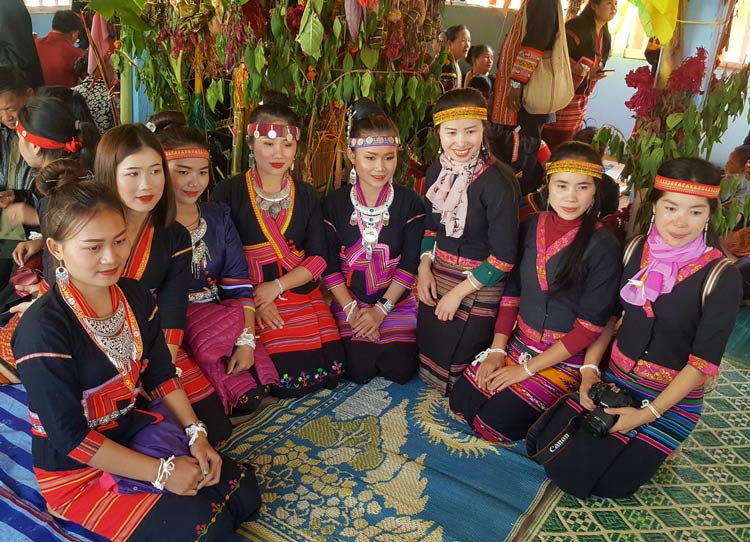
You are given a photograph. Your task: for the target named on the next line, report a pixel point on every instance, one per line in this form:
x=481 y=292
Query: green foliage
x=688 y=131
x=317 y=65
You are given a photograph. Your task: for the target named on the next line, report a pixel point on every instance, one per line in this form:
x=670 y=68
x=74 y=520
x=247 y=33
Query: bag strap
x=630 y=248
x=712 y=278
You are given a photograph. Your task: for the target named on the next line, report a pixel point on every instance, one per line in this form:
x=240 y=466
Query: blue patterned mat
x=381 y=462
x=23 y=516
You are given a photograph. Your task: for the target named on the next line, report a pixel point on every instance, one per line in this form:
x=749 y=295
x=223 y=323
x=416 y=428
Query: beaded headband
x=73 y=145
x=374 y=141
x=458 y=113
x=187 y=152
x=272 y=131
x=575 y=166
x=686 y=187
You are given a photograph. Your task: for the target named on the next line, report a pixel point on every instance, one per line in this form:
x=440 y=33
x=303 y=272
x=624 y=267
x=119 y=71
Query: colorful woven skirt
x=507 y=415
x=307 y=351
x=446 y=348
x=214 y=514
x=616 y=465
x=393 y=356
x=646 y=380
x=568 y=122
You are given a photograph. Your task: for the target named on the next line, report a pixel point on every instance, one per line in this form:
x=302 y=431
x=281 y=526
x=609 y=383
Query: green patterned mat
x=738 y=346
x=701 y=494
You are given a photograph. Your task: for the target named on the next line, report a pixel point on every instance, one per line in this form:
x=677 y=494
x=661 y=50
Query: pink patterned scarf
x=449 y=193
x=660 y=275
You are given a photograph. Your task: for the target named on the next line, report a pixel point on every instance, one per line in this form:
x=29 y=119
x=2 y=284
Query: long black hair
x=570 y=267
x=584 y=26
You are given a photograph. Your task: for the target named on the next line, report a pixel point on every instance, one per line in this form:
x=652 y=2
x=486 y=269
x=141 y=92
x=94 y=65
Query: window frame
x=41 y=9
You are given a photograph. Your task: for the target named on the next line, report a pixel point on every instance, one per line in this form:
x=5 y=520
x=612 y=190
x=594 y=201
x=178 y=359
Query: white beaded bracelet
x=166 y=466
x=194 y=429
x=246 y=338
x=590 y=366
x=647 y=404
x=484 y=354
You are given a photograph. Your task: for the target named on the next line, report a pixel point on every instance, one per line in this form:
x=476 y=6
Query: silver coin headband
x=272 y=131
x=374 y=141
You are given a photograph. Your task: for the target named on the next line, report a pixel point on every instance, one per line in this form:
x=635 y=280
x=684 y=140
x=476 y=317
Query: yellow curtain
x=658 y=17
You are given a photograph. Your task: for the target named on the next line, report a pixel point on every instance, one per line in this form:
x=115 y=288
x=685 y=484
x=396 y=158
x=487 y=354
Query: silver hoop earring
x=292 y=167
x=61 y=275
x=651 y=225
x=705 y=233
x=352 y=176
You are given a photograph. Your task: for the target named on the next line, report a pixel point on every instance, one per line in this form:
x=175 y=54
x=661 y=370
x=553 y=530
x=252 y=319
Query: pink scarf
x=660 y=275
x=449 y=193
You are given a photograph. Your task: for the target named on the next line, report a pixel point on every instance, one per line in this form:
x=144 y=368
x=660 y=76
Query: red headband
x=74 y=145
x=690 y=188
x=272 y=131
x=187 y=152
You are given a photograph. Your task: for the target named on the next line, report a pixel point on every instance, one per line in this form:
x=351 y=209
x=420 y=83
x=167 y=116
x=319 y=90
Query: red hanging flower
x=688 y=76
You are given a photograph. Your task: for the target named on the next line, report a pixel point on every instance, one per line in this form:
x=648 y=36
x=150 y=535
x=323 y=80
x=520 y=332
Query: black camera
x=597 y=422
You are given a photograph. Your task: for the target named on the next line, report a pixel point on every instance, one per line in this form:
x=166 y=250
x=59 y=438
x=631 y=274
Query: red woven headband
x=187 y=152
x=690 y=188
x=74 y=145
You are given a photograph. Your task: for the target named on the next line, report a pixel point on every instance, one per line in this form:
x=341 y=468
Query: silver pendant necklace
x=370 y=219
x=114 y=337
x=201 y=255
x=273 y=202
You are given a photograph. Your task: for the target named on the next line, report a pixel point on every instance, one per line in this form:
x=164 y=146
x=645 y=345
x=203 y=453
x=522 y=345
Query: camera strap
x=559 y=441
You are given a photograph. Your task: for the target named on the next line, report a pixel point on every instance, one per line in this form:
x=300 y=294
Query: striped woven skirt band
x=674 y=426
x=542 y=390
x=399 y=326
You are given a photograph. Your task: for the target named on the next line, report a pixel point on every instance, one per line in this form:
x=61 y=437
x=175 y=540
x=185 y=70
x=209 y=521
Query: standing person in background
x=480 y=57
x=589 y=45
x=523 y=48
x=458 y=40
x=15 y=174
x=17 y=41
x=57 y=51
x=469 y=244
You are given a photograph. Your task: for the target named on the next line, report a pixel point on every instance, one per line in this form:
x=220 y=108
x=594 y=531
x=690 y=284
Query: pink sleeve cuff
x=334 y=280
x=315 y=265
x=706 y=367
x=404 y=279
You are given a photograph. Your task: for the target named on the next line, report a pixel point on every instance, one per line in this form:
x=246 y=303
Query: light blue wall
x=41 y=24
